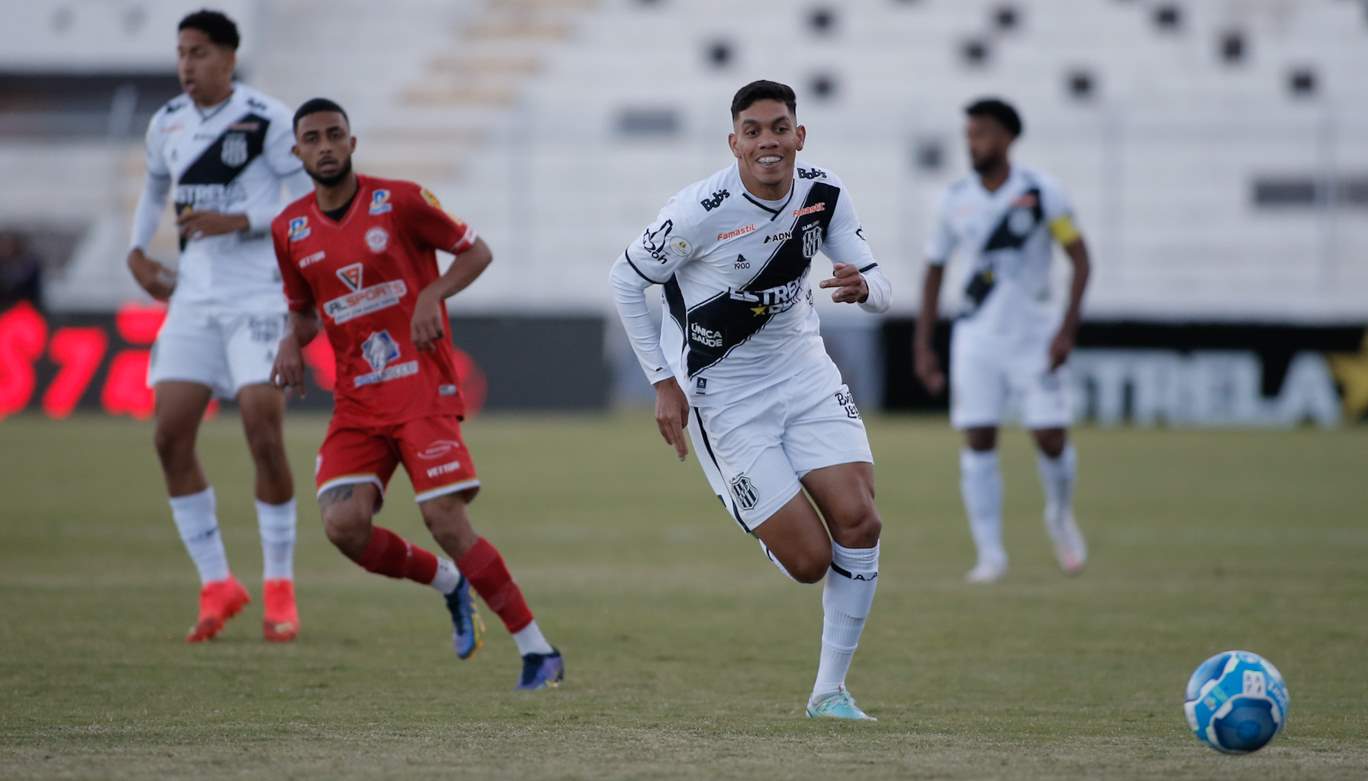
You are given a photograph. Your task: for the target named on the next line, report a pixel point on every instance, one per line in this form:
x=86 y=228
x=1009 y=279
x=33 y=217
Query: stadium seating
x=559 y=126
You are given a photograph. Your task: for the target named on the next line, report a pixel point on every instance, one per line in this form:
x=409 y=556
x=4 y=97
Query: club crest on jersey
x=743 y=491
x=812 y=239
x=377 y=239
x=380 y=202
x=351 y=276
x=299 y=228
x=234 y=152
x=1021 y=221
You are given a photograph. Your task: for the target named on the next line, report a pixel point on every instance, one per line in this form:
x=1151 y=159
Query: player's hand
x=929 y=370
x=429 y=320
x=198 y=225
x=1060 y=347
x=288 y=370
x=158 y=280
x=672 y=415
x=850 y=284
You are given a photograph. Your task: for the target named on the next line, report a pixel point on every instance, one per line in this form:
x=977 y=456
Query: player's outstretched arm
x=429 y=314
x=1063 y=342
x=927 y=365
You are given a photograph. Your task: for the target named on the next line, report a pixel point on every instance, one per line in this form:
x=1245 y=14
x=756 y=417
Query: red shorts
x=431 y=450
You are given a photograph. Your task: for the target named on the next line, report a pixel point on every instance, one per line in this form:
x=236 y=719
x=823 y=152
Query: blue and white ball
x=1236 y=702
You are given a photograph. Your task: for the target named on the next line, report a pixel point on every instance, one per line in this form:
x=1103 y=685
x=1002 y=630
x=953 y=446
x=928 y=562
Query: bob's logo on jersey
x=377 y=239
x=715 y=201
x=743 y=491
x=771 y=301
x=811 y=173
x=234 y=152
x=744 y=230
x=705 y=336
x=380 y=202
x=812 y=239
x=815 y=208
x=351 y=276
x=299 y=228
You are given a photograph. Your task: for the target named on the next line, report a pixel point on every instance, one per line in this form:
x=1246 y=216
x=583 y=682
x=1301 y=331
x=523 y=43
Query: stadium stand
x=1213 y=149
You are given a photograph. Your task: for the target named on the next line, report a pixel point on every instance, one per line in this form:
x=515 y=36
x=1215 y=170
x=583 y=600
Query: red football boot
x=281 y=623
x=220 y=600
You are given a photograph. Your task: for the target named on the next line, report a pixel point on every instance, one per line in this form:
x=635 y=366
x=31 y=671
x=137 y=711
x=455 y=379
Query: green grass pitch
x=688 y=655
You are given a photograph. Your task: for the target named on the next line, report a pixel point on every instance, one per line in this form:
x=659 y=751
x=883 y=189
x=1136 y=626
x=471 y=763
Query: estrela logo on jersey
x=720 y=324
x=715 y=201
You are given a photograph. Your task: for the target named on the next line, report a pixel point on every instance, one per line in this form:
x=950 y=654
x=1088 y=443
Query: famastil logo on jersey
x=379 y=350
x=362 y=300
x=380 y=202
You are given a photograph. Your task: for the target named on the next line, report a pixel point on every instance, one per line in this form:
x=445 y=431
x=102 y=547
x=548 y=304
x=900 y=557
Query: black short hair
x=215 y=24
x=763 y=90
x=999 y=110
x=317 y=106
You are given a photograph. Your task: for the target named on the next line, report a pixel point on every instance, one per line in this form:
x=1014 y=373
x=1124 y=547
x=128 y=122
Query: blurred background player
x=364 y=251
x=226 y=150
x=1010 y=341
x=771 y=416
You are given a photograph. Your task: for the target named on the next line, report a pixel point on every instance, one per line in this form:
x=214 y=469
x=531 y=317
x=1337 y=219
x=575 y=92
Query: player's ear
x=731 y=143
x=294 y=150
x=801 y=134
x=353 y=144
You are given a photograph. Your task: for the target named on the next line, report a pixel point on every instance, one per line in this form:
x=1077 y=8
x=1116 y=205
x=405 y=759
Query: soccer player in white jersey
x=739 y=344
x=1010 y=341
x=224 y=150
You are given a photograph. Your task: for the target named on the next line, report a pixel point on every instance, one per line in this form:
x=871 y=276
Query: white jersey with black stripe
x=232 y=158
x=737 y=299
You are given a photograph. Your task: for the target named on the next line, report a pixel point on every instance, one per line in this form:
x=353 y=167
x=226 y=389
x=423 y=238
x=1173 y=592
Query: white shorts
x=988 y=376
x=223 y=350
x=754 y=452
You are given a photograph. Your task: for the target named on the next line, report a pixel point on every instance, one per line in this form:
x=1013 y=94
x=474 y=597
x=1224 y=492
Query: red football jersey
x=364 y=273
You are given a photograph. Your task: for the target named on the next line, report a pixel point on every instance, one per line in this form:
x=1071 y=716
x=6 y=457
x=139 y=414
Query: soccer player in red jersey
x=362 y=251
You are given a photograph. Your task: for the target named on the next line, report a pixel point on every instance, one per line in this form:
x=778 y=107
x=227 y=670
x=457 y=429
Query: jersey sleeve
x=297 y=291
x=666 y=244
x=1059 y=213
x=280 y=144
x=423 y=215
x=152 y=145
x=845 y=240
x=940 y=245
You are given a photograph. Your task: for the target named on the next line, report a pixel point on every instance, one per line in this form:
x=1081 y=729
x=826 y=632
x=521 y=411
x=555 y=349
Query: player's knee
x=810 y=564
x=1051 y=442
x=174 y=447
x=267 y=447
x=448 y=521
x=348 y=527
x=861 y=526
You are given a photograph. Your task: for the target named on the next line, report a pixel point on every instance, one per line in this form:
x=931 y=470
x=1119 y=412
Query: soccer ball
x=1236 y=702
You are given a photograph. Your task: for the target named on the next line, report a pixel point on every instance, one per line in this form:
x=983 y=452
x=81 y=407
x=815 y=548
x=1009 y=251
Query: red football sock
x=389 y=554
x=485 y=569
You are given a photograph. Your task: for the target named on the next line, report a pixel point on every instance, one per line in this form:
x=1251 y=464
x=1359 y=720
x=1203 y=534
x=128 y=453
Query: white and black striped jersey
x=1008 y=234
x=737 y=301
x=232 y=158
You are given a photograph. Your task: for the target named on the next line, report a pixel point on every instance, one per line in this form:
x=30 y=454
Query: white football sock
x=447 y=578
x=1057 y=481
x=531 y=641
x=277 y=525
x=981 y=487
x=846 y=598
x=199 y=530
